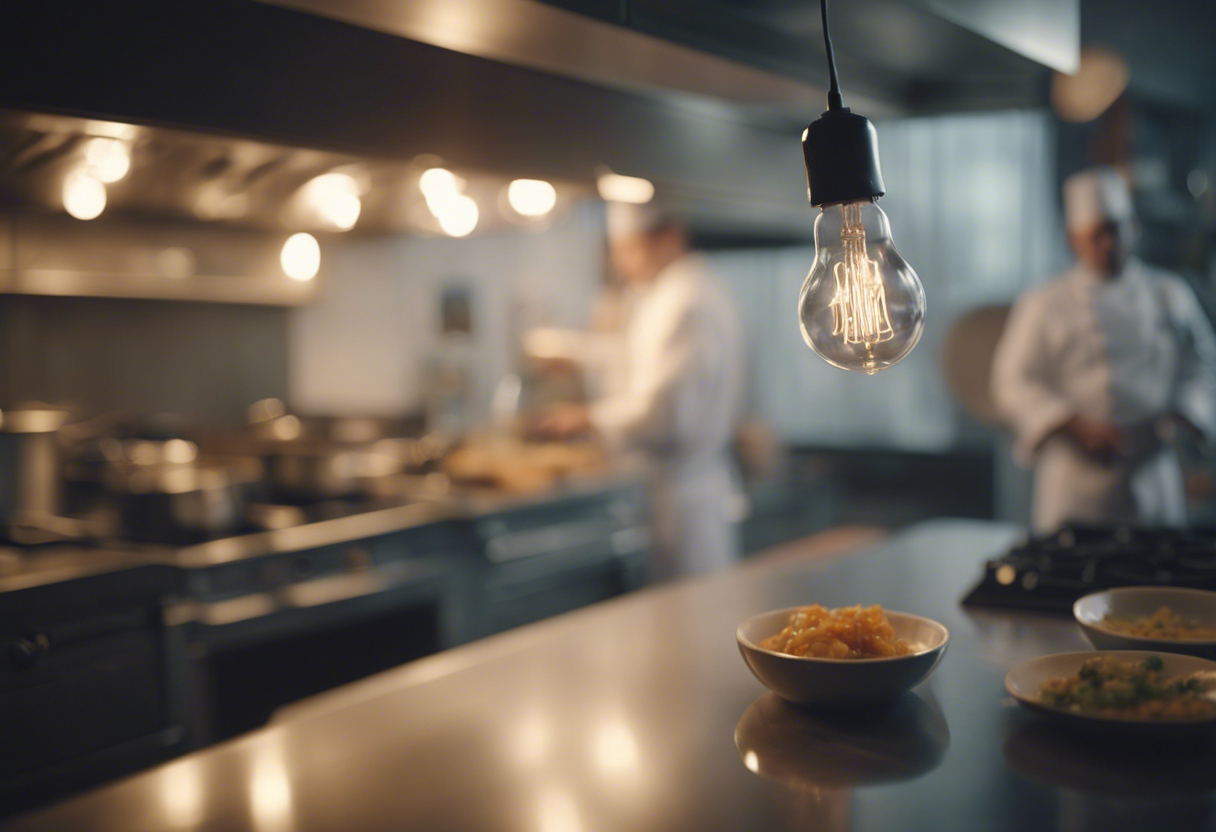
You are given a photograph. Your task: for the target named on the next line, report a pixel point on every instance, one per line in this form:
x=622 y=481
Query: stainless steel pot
x=183 y=504
x=31 y=470
x=321 y=470
x=323 y=458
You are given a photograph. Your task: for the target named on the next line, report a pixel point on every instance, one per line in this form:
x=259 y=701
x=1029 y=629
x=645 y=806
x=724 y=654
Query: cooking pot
x=310 y=458
x=30 y=463
x=183 y=504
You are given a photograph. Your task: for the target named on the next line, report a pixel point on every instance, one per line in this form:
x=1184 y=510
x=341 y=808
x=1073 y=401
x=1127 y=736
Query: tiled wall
x=205 y=361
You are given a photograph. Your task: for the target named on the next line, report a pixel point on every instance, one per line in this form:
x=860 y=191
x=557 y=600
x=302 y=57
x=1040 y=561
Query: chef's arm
x=642 y=412
x=1195 y=400
x=1021 y=371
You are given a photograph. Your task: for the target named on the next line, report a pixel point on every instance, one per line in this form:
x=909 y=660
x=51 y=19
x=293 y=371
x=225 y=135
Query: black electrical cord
x=835 y=102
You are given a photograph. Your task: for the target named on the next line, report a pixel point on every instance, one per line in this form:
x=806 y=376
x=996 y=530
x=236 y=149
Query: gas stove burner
x=1049 y=573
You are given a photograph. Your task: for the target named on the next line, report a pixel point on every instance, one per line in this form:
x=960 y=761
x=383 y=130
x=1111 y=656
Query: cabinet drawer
x=518 y=604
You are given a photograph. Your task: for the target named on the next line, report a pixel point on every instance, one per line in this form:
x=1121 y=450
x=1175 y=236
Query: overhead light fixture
x=301 y=257
x=107 y=159
x=84 y=196
x=1100 y=79
x=459 y=216
x=531 y=197
x=438 y=185
x=335 y=198
x=456 y=213
x=862 y=307
x=614 y=187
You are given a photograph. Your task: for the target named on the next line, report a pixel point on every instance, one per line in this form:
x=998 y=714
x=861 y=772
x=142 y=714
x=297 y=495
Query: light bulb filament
x=859 y=308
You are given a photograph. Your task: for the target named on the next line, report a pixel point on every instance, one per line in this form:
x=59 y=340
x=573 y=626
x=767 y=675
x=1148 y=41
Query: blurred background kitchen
x=284 y=282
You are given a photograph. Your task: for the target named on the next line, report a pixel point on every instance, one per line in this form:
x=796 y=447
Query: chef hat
x=1096 y=195
x=625 y=218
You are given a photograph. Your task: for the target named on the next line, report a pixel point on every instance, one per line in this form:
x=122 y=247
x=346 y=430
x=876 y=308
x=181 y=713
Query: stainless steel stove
x=1049 y=573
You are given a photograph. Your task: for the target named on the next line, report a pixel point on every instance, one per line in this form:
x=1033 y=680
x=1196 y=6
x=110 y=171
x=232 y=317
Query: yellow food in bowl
x=854 y=632
x=1164 y=623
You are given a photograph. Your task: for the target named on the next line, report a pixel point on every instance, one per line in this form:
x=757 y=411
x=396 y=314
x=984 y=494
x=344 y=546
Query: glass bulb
x=862 y=307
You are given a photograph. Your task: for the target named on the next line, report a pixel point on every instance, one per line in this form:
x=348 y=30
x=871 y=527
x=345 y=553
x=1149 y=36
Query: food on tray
x=522 y=467
x=1114 y=689
x=1163 y=624
x=847 y=633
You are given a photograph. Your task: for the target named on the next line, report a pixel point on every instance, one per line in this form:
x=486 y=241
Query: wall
x=206 y=361
x=362 y=348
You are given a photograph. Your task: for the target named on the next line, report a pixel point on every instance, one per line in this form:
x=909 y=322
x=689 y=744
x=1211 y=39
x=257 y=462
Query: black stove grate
x=1049 y=573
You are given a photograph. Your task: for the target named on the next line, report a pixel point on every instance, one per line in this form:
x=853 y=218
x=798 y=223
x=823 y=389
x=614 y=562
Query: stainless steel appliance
x=31 y=473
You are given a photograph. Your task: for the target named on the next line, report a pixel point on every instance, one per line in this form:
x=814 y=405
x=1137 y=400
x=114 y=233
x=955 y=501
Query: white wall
x=362 y=347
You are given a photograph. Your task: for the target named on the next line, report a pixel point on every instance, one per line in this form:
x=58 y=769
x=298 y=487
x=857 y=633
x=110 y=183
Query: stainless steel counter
x=468 y=505
x=638 y=714
x=23 y=568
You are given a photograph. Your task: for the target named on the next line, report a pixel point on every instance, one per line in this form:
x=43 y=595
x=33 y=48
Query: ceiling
x=894 y=56
x=706 y=97
x=183 y=175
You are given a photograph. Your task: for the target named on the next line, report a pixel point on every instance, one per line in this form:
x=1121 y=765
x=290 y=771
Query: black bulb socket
x=840 y=149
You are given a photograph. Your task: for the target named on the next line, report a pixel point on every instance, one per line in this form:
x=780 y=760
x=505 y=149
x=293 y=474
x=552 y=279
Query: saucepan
x=184 y=504
x=31 y=463
x=335 y=457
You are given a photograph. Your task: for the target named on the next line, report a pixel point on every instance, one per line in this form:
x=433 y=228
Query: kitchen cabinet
x=268 y=630
x=559 y=555
x=291 y=620
x=784 y=509
x=92 y=682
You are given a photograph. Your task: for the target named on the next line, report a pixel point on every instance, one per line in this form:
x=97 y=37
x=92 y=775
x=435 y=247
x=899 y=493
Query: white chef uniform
x=1129 y=350
x=679 y=400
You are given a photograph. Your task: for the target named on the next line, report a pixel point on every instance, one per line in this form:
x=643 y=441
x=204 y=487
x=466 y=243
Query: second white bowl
x=1131 y=602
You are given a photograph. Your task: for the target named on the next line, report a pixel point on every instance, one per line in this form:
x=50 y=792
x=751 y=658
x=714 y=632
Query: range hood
x=705 y=98
x=897 y=55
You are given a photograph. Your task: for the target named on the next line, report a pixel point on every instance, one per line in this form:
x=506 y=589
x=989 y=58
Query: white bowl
x=1026 y=680
x=813 y=681
x=1132 y=602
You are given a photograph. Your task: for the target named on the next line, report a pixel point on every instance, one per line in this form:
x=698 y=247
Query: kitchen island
x=638 y=714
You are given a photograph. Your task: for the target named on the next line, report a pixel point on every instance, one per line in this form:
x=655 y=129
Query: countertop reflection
x=842 y=748
x=1042 y=751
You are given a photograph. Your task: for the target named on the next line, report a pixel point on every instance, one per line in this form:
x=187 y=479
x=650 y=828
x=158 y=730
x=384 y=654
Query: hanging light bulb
x=862 y=307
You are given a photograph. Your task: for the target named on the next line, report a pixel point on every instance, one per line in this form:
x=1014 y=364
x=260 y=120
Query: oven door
x=253 y=653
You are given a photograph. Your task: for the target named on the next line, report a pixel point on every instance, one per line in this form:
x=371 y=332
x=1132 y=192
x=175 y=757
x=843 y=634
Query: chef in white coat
x=679 y=394
x=1098 y=369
